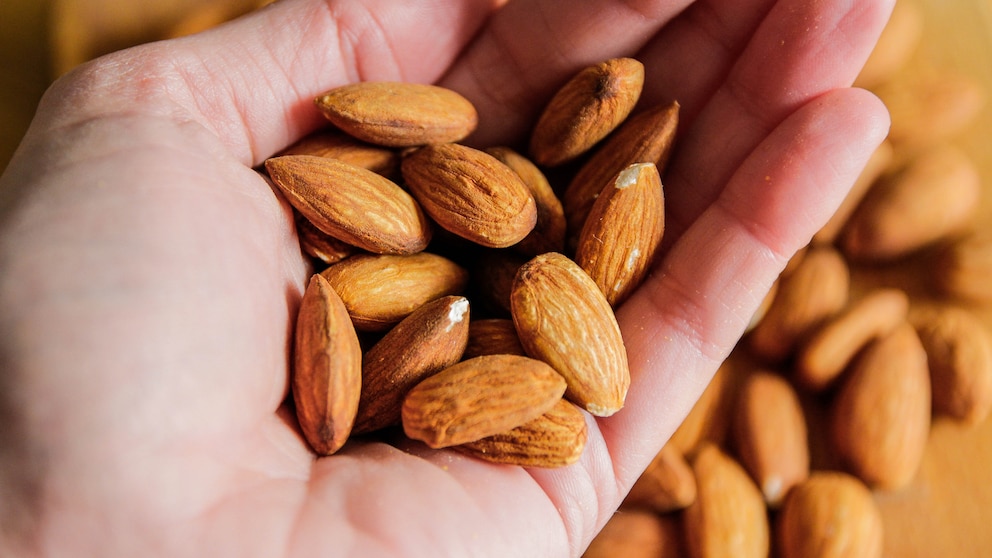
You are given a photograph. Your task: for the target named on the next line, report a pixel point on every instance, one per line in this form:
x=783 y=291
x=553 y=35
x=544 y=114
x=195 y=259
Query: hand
x=148 y=276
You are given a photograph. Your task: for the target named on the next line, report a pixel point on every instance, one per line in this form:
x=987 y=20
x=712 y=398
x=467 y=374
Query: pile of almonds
x=458 y=296
x=871 y=333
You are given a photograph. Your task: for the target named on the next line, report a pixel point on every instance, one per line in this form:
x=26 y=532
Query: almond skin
x=638 y=534
x=728 y=517
x=335 y=144
x=319 y=245
x=381 y=290
x=830 y=515
x=327 y=368
x=427 y=341
x=352 y=204
x=668 y=484
x=471 y=194
x=623 y=232
x=548 y=234
x=564 y=319
x=399 y=114
x=493 y=336
x=554 y=439
x=880 y=417
x=479 y=397
x=587 y=108
x=962 y=269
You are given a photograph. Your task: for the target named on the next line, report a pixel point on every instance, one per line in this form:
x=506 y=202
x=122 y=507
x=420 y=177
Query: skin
x=148 y=276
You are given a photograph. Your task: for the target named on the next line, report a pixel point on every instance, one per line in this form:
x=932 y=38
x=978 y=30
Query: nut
x=667 y=485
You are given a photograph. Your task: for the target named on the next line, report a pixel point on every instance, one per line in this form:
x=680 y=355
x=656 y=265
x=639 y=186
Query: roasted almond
x=335 y=144
x=352 y=204
x=427 y=341
x=327 y=368
x=479 y=397
x=584 y=110
x=320 y=245
x=493 y=336
x=638 y=534
x=399 y=114
x=564 y=319
x=471 y=194
x=668 y=484
x=381 y=290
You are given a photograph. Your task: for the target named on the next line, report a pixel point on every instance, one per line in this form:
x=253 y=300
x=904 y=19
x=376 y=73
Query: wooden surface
x=943 y=513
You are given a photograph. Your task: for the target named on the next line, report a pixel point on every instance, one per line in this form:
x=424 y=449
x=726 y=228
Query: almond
x=335 y=144
x=667 y=485
x=493 y=336
x=728 y=517
x=623 y=232
x=317 y=244
x=646 y=137
x=554 y=439
x=880 y=418
x=895 y=47
x=959 y=355
x=830 y=515
x=708 y=417
x=327 y=369
x=638 y=534
x=399 y=114
x=564 y=319
x=828 y=350
x=427 y=341
x=770 y=435
x=352 y=204
x=381 y=290
x=933 y=198
x=962 y=269
x=471 y=194
x=479 y=397
x=877 y=166
x=584 y=110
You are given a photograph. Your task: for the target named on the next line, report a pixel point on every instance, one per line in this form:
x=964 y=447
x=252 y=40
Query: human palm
x=149 y=277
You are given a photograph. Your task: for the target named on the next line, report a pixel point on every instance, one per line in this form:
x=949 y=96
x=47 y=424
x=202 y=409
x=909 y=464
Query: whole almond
x=320 y=245
x=427 y=341
x=880 y=418
x=646 y=137
x=668 y=484
x=830 y=515
x=709 y=416
x=564 y=319
x=933 y=198
x=381 y=290
x=623 y=232
x=471 y=194
x=327 y=369
x=828 y=350
x=492 y=336
x=728 y=517
x=335 y=144
x=351 y=203
x=399 y=114
x=548 y=234
x=770 y=434
x=554 y=439
x=962 y=269
x=813 y=291
x=479 y=397
x=638 y=534
x=959 y=355
x=584 y=110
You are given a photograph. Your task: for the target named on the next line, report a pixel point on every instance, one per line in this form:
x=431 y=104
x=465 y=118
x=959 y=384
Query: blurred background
x=937 y=78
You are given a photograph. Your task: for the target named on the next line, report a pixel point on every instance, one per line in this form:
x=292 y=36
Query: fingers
x=799 y=51
x=531 y=46
x=252 y=81
x=685 y=320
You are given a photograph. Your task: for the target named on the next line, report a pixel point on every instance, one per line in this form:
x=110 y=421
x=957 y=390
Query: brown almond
x=638 y=534
x=667 y=485
x=959 y=355
x=352 y=204
x=646 y=137
x=584 y=110
x=933 y=198
x=827 y=352
x=564 y=319
x=554 y=439
x=830 y=515
x=880 y=417
x=816 y=289
x=877 y=166
x=623 y=232
x=381 y=290
x=471 y=194
x=479 y=397
x=708 y=418
x=728 y=517
x=320 y=245
x=962 y=269
x=327 y=368
x=399 y=114
x=493 y=336
x=548 y=234
x=770 y=435
x=335 y=144
x=427 y=341
x=896 y=45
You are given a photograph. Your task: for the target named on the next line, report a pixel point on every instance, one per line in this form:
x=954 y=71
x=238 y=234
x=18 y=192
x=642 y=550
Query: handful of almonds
x=405 y=327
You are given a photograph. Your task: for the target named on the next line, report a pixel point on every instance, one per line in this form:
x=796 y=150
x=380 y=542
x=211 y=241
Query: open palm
x=149 y=277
